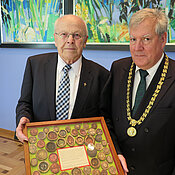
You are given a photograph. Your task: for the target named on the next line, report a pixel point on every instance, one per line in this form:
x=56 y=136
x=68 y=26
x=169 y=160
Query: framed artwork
x=76 y=146
x=29 y=21
x=107 y=20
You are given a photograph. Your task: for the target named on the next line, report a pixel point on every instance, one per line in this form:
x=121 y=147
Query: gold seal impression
x=43 y=166
x=76 y=171
x=41 y=154
x=131 y=131
x=112 y=170
x=87 y=170
x=79 y=140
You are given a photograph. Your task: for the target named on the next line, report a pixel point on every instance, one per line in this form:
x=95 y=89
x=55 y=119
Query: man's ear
x=55 y=39
x=164 y=39
x=85 y=41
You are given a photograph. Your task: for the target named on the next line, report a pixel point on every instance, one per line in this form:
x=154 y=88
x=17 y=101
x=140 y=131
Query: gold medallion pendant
x=131 y=131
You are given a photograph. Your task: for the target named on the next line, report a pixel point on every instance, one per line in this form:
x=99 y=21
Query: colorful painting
x=107 y=20
x=29 y=21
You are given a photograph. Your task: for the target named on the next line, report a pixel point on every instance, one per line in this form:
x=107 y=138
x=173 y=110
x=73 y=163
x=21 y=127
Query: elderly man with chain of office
x=63 y=85
x=142 y=91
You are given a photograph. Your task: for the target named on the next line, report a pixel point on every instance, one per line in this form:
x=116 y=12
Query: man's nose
x=139 y=45
x=70 y=39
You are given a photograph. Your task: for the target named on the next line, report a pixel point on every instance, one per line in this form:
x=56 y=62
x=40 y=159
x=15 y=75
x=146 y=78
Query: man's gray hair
x=161 y=20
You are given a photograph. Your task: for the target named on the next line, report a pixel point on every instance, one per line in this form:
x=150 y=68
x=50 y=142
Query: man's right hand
x=19 y=130
x=124 y=164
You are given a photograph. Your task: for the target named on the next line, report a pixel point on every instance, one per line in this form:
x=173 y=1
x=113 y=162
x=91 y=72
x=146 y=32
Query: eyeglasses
x=65 y=36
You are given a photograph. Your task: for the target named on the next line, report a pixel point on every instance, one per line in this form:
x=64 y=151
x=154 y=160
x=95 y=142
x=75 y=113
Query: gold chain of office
x=131 y=131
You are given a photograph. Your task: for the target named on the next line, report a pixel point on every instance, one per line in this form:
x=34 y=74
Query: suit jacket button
x=146 y=130
x=133 y=149
x=132 y=168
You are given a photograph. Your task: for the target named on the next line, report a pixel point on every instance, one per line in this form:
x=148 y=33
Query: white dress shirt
x=74 y=76
x=149 y=77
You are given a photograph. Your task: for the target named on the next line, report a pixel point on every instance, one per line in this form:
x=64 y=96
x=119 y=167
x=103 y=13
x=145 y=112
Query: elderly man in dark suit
x=142 y=91
x=64 y=80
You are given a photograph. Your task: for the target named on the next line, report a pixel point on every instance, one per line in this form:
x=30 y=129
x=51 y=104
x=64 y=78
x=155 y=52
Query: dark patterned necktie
x=63 y=97
x=140 y=90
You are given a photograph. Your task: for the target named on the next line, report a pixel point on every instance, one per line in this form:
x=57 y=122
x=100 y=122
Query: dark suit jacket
x=37 y=101
x=152 y=150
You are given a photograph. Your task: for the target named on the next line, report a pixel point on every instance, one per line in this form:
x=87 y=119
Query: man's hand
x=19 y=129
x=123 y=163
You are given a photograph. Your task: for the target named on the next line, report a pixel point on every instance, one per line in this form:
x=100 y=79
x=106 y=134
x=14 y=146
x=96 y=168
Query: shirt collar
x=153 y=69
x=76 y=66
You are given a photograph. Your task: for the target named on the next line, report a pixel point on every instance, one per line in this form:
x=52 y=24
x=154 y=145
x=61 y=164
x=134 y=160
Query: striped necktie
x=63 y=95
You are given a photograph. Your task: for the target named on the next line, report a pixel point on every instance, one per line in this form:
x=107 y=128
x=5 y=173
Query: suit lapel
x=123 y=87
x=83 y=88
x=167 y=83
x=150 y=91
x=50 y=81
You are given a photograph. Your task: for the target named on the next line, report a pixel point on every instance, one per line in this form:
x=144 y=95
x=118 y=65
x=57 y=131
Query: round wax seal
x=33 y=131
x=99 y=146
x=74 y=132
x=89 y=140
x=32 y=139
x=51 y=147
x=36 y=173
x=79 y=140
x=61 y=142
x=91 y=151
x=41 y=154
x=106 y=150
x=70 y=140
x=68 y=129
x=76 y=171
x=83 y=132
x=101 y=155
x=53 y=157
x=98 y=138
x=85 y=126
x=104 y=172
x=52 y=135
x=104 y=143
x=104 y=165
x=87 y=170
x=45 y=130
x=41 y=135
x=43 y=167
x=54 y=168
x=96 y=172
x=62 y=133
x=95 y=162
x=40 y=144
x=91 y=131
x=94 y=125
x=32 y=149
x=56 y=128
x=109 y=159
x=99 y=131
x=34 y=162
x=77 y=126
x=112 y=170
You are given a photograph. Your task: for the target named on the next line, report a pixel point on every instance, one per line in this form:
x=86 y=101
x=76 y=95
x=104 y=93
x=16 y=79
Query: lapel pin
x=85 y=84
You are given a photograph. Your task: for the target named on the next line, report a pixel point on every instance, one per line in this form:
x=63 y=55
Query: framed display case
x=75 y=146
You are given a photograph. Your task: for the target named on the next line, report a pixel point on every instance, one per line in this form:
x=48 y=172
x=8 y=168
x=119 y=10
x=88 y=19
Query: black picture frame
x=68 y=9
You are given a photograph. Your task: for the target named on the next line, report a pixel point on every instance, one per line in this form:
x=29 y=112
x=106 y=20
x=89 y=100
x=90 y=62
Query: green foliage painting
x=29 y=20
x=107 y=20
